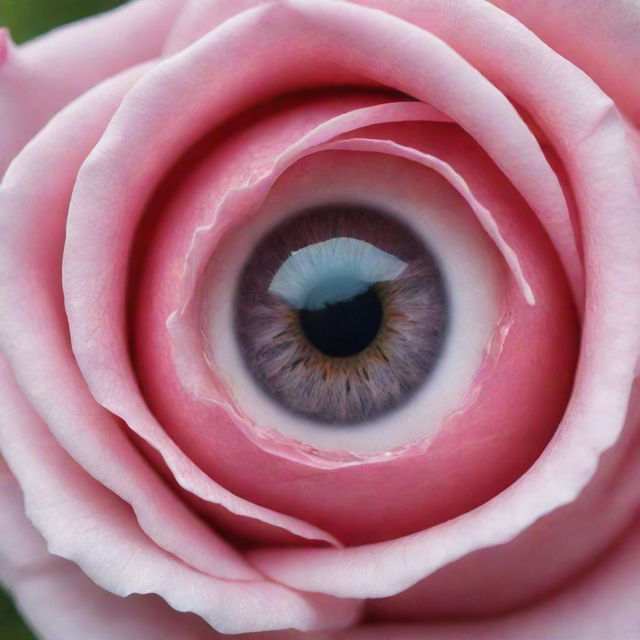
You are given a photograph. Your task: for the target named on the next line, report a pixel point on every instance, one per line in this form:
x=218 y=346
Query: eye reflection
x=332 y=284
x=341 y=313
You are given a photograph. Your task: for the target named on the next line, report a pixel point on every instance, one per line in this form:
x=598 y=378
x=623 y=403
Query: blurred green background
x=11 y=626
x=26 y=19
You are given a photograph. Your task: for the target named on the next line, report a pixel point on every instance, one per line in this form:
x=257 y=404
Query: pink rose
x=323 y=315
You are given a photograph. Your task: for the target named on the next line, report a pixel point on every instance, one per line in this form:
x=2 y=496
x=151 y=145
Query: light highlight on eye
x=333 y=271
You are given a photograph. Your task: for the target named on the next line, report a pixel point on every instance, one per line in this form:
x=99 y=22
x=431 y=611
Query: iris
x=341 y=313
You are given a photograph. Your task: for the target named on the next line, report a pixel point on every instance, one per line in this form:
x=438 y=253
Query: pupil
x=344 y=328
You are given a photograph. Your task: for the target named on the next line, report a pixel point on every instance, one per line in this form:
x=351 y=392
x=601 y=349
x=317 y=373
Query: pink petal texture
x=170 y=560
x=139 y=500
x=40 y=206
x=99 y=532
x=62 y=602
x=37 y=79
x=604 y=379
x=36 y=201
x=633 y=134
x=383 y=500
x=602 y=603
x=199 y=17
x=600 y=37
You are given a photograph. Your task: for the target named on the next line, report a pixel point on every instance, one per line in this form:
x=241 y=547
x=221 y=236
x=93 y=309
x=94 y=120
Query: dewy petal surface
x=40 y=77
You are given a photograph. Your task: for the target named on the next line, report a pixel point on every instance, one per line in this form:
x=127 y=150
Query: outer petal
x=42 y=76
x=199 y=17
x=39 y=186
x=91 y=517
x=34 y=197
x=602 y=603
x=94 y=528
x=600 y=37
x=61 y=602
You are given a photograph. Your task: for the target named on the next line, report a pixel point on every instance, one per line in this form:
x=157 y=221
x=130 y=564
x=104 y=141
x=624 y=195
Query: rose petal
x=544 y=196
x=94 y=528
x=601 y=603
x=178 y=110
x=33 y=332
x=485 y=216
x=600 y=37
x=77 y=130
x=60 y=601
x=405 y=498
x=633 y=134
x=37 y=79
x=199 y=17
x=592 y=139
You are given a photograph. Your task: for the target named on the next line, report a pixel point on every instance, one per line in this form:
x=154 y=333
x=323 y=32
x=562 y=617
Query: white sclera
x=338 y=269
x=472 y=268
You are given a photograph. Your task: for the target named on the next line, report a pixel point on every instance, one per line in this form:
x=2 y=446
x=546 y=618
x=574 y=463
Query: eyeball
x=365 y=297
x=341 y=313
